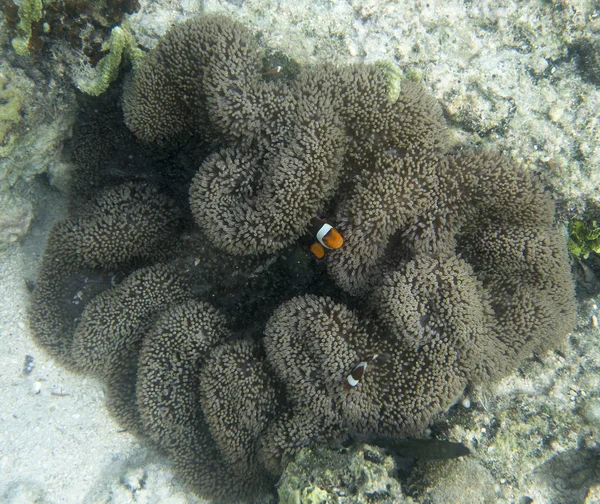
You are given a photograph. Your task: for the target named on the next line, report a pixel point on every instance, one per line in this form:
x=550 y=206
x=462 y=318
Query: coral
x=464 y=480
x=30 y=12
x=95 y=80
x=14 y=93
x=31 y=130
x=318 y=475
x=394 y=76
x=82 y=24
x=451 y=273
x=584 y=238
x=89 y=37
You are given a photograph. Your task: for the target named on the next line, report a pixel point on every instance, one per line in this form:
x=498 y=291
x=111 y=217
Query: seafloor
x=518 y=77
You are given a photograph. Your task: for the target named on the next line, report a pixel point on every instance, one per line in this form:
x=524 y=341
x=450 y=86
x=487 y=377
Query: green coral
x=394 y=79
x=13 y=98
x=96 y=80
x=584 y=238
x=30 y=12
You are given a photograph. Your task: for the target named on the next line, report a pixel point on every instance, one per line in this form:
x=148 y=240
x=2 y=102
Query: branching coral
x=452 y=261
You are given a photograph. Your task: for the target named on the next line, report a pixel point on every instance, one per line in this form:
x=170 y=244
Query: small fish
x=353 y=379
x=326 y=236
x=274 y=71
x=28 y=365
x=356 y=375
x=420 y=449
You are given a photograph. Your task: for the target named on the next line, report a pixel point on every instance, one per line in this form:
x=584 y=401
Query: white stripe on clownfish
x=321 y=233
x=357 y=373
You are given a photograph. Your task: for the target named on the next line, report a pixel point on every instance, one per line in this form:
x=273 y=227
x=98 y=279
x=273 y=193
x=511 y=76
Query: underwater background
x=521 y=78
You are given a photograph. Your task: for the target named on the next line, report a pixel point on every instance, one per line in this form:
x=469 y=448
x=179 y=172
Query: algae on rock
x=15 y=92
x=353 y=476
x=30 y=12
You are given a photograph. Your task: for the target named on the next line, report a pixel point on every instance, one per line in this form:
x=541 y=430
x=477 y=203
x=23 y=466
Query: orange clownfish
x=327 y=237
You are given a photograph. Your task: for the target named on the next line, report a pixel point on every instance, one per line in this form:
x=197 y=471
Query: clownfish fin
x=317 y=250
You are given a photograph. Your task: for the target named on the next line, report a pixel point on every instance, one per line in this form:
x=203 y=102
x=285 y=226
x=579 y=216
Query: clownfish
x=357 y=373
x=327 y=237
